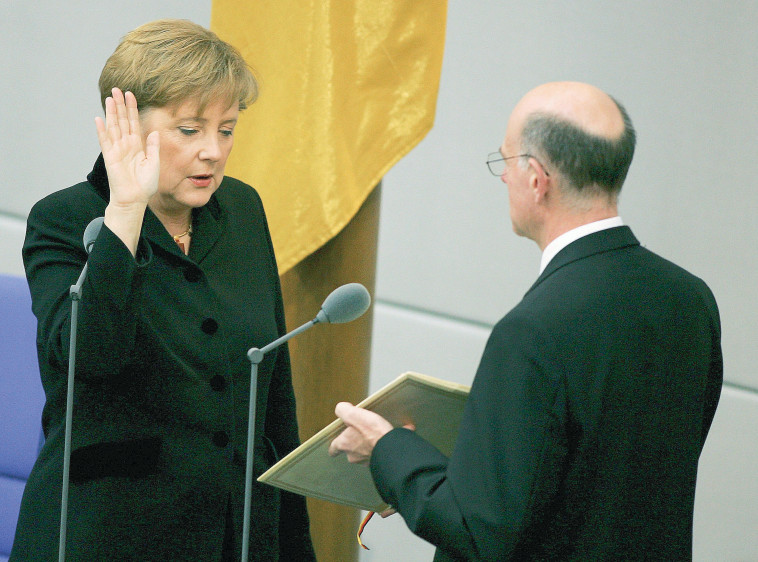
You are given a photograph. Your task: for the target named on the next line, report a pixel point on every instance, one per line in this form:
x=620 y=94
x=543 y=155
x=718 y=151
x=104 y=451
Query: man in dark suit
x=581 y=436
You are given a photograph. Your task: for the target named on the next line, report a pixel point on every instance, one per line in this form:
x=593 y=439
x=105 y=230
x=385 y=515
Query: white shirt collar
x=552 y=249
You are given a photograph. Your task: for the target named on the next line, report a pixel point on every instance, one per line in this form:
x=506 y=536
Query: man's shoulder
x=623 y=275
x=669 y=272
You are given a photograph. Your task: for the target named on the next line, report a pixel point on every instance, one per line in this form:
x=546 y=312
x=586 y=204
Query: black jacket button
x=220 y=439
x=209 y=326
x=192 y=274
x=218 y=382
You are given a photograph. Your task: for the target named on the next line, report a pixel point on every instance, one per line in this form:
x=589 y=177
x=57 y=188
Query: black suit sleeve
x=716 y=371
x=506 y=461
x=418 y=487
x=54 y=257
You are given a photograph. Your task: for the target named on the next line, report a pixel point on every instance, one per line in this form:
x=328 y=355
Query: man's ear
x=540 y=182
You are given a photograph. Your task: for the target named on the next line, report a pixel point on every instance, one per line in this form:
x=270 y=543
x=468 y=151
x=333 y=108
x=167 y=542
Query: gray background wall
x=449 y=266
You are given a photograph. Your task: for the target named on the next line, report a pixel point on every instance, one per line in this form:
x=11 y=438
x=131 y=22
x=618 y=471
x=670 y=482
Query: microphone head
x=344 y=304
x=91 y=232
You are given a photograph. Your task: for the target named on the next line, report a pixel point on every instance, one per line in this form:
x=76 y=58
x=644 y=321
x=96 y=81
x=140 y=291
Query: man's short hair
x=590 y=164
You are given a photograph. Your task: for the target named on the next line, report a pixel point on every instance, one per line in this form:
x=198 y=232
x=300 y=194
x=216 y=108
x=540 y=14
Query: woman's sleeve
x=54 y=257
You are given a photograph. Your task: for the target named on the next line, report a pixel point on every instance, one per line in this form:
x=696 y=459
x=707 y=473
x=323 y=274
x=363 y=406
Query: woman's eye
x=187 y=131
x=226 y=132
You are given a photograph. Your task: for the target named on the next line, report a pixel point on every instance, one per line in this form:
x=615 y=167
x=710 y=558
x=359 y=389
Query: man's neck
x=564 y=222
x=570 y=236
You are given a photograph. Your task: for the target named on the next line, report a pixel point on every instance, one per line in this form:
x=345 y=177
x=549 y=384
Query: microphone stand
x=90 y=234
x=255 y=356
x=344 y=304
x=76 y=295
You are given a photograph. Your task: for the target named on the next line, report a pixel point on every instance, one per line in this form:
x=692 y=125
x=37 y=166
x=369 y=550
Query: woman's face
x=194 y=147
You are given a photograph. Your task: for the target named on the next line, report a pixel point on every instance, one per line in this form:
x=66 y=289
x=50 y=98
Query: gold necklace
x=183 y=234
x=179 y=243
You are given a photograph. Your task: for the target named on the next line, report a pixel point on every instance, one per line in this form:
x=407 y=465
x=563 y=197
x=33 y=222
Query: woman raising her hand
x=181 y=282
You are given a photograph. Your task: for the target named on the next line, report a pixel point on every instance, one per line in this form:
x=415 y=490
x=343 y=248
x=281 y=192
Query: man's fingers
x=336 y=444
x=368 y=423
x=333 y=450
x=364 y=429
x=344 y=410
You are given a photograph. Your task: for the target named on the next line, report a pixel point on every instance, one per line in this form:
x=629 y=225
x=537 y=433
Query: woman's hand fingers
x=105 y=127
x=150 y=167
x=102 y=136
x=122 y=120
x=133 y=168
x=152 y=146
x=132 y=114
x=122 y=123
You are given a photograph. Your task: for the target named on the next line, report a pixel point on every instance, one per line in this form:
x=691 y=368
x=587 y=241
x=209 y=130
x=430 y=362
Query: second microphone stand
x=256 y=356
x=344 y=304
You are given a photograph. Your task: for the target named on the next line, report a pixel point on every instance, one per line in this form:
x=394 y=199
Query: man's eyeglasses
x=496 y=162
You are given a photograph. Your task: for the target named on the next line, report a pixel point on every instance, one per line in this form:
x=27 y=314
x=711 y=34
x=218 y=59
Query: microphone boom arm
x=344 y=304
x=256 y=355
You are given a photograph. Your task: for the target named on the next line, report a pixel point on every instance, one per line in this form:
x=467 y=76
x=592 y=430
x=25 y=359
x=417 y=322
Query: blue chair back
x=21 y=401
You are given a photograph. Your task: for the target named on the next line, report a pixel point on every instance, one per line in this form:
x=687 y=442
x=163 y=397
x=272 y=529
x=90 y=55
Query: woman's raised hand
x=132 y=168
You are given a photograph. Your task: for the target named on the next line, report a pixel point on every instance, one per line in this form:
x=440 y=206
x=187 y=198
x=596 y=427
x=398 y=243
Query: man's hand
x=364 y=429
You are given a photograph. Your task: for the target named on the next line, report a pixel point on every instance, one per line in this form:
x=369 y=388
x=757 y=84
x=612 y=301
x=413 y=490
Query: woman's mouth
x=202 y=180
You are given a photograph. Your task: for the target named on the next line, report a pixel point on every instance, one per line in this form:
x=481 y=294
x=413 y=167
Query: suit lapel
x=595 y=243
x=156 y=233
x=206 y=226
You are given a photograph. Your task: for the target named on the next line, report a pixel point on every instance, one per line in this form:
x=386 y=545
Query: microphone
x=344 y=304
x=90 y=234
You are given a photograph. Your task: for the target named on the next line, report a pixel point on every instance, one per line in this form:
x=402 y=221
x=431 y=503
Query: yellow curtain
x=348 y=87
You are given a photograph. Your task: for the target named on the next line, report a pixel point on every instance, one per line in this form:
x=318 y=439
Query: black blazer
x=162 y=384
x=580 y=439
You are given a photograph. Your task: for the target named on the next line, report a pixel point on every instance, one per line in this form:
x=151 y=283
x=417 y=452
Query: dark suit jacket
x=162 y=384
x=580 y=439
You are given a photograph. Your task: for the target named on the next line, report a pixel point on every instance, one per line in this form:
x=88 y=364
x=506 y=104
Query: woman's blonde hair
x=166 y=62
